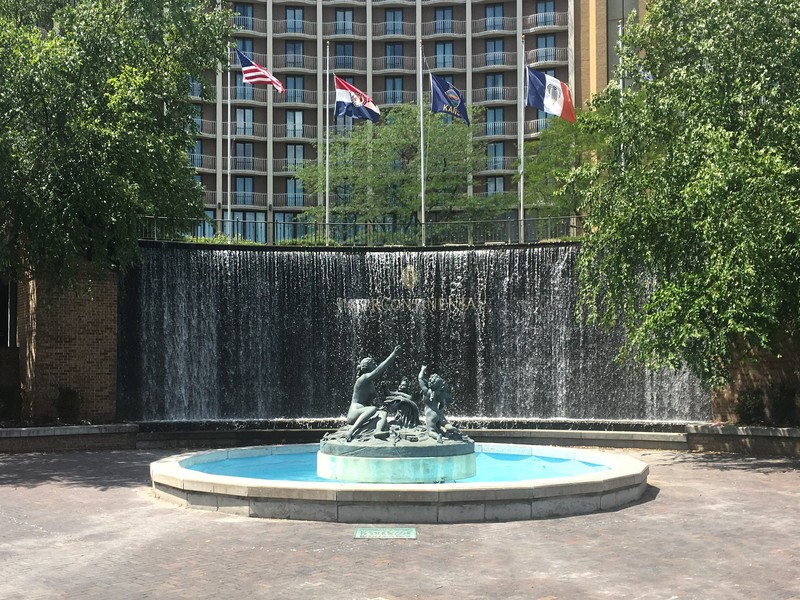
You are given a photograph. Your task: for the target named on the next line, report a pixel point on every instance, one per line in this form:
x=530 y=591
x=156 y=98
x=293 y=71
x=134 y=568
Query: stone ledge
x=71 y=437
x=758 y=441
x=573 y=437
x=65 y=430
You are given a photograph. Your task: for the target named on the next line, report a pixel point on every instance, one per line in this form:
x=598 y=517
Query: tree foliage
x=95 y=125
x=375 y=169
x=694 y=219
x=551 y=184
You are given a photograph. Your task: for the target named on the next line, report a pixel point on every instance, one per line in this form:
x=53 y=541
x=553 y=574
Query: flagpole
x=521 y=140
x=230 y=133
x=327 y=140
x=421 y=142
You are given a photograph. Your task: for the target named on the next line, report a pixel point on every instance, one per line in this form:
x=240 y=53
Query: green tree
x=375 y=173
x=551 y=182
x=693 y=221
x=95 y=125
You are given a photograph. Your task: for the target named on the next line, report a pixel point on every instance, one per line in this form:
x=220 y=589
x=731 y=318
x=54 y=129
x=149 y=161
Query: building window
x=444 y=55
x=243 y=161
x=198 y=117
x=196 y=156
x=285 y=227
x=294 y=19
x=294 y=123
x=250 y=225
x=495 y=185
x=344 y=55
x=244 y=191
x=494 y=17
x=344 y=21
x=546 y=48
x=294 y=88
x=394 y=21
x=494 y=86
x=294 y=192
x=246 y=46
x=294 y=54
x=244 y=91
x=494 y=52
x=244 y=121
x=195 y=87
x=205 y=229
x=444 y=20
x=294 y=156
x=394 y=90
x=495 y=155
x=495 y=121
x=394 y=55
x=544 y=13
x=244 y=16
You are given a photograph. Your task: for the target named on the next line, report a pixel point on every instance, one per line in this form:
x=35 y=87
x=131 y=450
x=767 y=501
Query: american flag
x=253 y=72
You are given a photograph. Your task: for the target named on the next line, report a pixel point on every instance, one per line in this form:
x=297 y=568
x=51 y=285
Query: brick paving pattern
x=84 y=525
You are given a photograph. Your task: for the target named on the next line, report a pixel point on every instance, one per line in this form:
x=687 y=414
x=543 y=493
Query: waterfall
x=208 y=333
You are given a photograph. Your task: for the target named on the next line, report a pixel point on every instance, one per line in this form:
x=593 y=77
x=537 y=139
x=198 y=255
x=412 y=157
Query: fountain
x=384 y=466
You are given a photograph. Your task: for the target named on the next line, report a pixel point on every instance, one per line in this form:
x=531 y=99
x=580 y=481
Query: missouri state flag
x=550 y=95
x=253 y=72
x=446 y=98
x=352 y=102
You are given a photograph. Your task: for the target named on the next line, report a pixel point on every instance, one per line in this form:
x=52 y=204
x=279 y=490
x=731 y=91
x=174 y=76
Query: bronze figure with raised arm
x=362 y=406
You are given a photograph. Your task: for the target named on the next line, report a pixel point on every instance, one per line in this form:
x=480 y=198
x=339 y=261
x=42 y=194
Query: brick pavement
x=84 y=525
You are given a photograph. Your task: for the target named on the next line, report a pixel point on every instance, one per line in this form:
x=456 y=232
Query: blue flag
x=446 y=98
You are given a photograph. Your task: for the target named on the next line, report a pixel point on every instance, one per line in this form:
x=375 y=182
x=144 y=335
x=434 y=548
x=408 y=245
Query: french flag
x=352 y=102
x=550 y=95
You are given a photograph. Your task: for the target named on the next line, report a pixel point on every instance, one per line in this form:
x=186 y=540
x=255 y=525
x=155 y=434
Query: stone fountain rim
x=623 y=483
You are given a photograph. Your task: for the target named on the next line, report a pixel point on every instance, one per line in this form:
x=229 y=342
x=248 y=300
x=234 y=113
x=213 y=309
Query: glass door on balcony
x=294 y=156
x=294 y=88
x=344 y=21
x=246 y=47
x=444 y=19
x=444 y=55
x=244 y=121
x=294 y=123
x=546 y=48
x=294 y=19
x=294 y=55
x=244 y=91
x=196 y=157
x=243 y=161
x=495 y=121
x=394 y=90
x=495 y=185
x=244 y=191
x=544 y=13
x=494 y=17
x=394 y=55
x=494 y=86
x=394 y=21
x=495 y=154
x=344 y=55
x=294 y=192
x=494 y=52
x=244 y=16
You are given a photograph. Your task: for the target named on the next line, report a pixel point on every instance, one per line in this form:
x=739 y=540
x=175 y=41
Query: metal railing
x=301 y=233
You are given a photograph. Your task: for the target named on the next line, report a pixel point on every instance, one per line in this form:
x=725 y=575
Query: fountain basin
x=624 y=481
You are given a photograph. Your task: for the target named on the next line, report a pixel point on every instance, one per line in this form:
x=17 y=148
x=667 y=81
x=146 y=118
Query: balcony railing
x=350 y=63
x=247 y=93
x=202 y=161
x=341 y=28
x=394 y=63
x=501 y=163
x=444 y=28
x=296 y=97
x=394 y=97
x=466 y=233
x=206 y=127
x=555 y=20
x=494 y=25
x=308 y=28
x=494 y=94
x=249 y=24
x=448 y=61
x=248 y=163
x=290 y=165
x=394 y=29
x=282 y=131
x=495 y=59
x=294 y=199
x=547 y=55
x=496 y=129
x=237 y=198
x=295 y=61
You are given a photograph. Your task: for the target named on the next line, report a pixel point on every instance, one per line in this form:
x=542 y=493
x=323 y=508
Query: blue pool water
x=491 y=467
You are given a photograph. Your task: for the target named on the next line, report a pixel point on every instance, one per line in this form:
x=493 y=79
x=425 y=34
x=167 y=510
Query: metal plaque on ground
x=407 y=533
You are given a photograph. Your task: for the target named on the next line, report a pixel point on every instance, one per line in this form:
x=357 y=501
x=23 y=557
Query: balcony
x=247 y=93
x=290 y=165
x=394 y=97
x=535 y=127
x=202 y=162
x=349 y=63
x=496 y=129
x=393 y=29
x=541 y=57
x=249 y=24
x=206 y=126
x=233 y=58
x=294 y=199
x=306 y=97
x=299 y=62
x=444 y=28
x=447 y=61
x=294 y=28
x=344 y=29
x=237 y=199
x=494 y=94
x=500 y=164
x=494 y=59
x=394 y=63
x=545 y=22
x=248 y=164
x=395 y=2
x=295 y=132
x=494 y=25
x=258 y=130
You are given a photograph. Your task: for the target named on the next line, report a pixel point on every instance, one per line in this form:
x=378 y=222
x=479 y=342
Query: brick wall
x=68 y=339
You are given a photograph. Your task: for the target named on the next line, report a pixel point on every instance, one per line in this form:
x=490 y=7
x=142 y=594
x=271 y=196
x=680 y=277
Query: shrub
x=750 y=407
x=68 y=405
